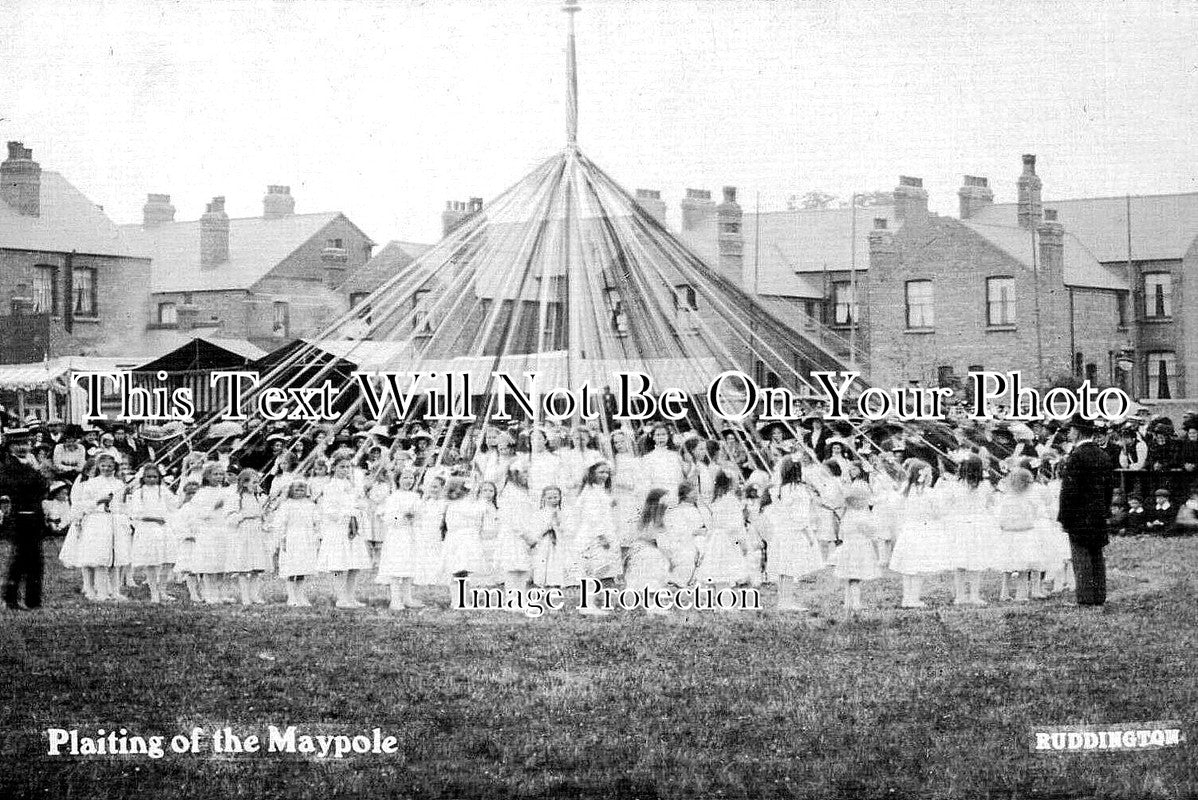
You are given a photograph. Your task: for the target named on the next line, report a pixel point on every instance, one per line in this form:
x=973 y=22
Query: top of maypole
x=571 y=8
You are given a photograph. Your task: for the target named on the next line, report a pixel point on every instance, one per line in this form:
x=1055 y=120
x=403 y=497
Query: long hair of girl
x=653 y=513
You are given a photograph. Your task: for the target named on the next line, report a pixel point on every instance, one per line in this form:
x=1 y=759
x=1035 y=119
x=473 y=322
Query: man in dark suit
x=1085 y=502
x=22 y=489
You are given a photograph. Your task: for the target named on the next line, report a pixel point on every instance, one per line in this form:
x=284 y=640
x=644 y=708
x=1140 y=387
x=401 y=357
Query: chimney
x=910 y=200
x=453 y=216
x=278 y=202
x=157 y=210
x=975 y=194
x=650 y=200
x=881 y=245
x=697 y=209
x=1030 y=206
x=731 y=238
x=21 y=180
x=1052 y=244
x=475 y=206
x=214 y=234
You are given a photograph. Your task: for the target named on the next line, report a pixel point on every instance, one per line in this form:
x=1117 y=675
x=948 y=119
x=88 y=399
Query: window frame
x=39 y=271
x=1003 y=304
x=285 y=306
x=174 y=313
x=1166 y=295
x=93 y=311
x=928 y=322
x=851 y=307
x=1152 y=380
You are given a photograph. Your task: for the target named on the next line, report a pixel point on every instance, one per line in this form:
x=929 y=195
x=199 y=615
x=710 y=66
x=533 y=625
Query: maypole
x=571 y=8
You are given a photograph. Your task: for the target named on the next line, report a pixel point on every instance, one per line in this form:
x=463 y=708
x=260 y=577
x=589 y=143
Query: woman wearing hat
x=69 y=455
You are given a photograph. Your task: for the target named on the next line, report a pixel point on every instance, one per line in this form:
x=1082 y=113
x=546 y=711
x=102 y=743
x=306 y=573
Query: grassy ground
x=935 y=703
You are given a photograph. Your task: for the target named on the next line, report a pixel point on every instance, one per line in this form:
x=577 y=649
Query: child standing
x=856 y=559
x=149 y=506
x=722 y=559
x=920 y=539
x=1017 y=515
x=397 y=562
x=343 y=550
x=247 y=556
x=647 y=566
x=298 y=526
x=787 y=527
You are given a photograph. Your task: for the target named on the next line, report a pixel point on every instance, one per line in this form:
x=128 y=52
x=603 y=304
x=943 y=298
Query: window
x=616 y=313
x=1121 y=308
x=1092 y=373
x=282 y=319
x=83 y=288
x=334 y=243
x=1158 y=295
x=920 y=304
x=364 y=312
x=730 y=227
x=944 y=376
x=167 y=314
x=1000 y=301
x=420 y=304
x=45 y=289
x=686 y=302
x=1162 y=376
x=844 y=303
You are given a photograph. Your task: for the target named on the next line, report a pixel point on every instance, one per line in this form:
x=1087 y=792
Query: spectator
x=1162 y=514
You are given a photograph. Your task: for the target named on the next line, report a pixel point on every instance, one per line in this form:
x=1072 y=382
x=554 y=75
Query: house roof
x=1163 y=226
x=384 y=265
x=256 y=246
x=67 y=221
x=1081 y=267
x=797 y=245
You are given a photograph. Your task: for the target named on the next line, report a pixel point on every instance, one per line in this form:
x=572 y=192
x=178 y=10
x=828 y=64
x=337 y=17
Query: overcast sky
x=386 y=109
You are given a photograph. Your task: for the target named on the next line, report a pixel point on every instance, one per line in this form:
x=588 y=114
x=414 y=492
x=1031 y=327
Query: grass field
x=934 y=703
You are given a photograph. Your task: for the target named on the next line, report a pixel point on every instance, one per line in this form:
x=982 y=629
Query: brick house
x=267 y=279
x=70 y=282
x=946 y=296
x=1153 y=239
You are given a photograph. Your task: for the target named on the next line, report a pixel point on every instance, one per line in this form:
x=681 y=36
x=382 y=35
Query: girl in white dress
x=461 y=553
x=920 y=541
x=430 y=532
x=661 y=466
x=377 y=489
x=687 y=525
x=297 y=524
x=626 y=484
x=543 y=464
x=149 y=506
x=513 y=552
x=102 y=531
x=856 y=559
x=975 y=537
x=788 y=526
x=1054 y=542
x=182 y=535
x=1018 y=513
x=397 y=563
x=247 y=555
x=825 y=480
x=209 y=525
x=551 y=552
x=489 y=572
x=722 y=557
x=343 y=550
x=647 y=567
x=319 y=479
x=68 y=554
x=596 y=533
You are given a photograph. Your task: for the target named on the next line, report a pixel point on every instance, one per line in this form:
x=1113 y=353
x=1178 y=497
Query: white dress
x=342 y=534
x=298 y=531
x=377 y=493
x=921 y=547
x=1018 y=516
x=1054 y=542
x=551 y=552
x=153 y=543
x=210 y=526
x=462 y=548
x=398 y=514
x=247 y=548
x=968 y=518
x=68 y=554
x=513 y=550
x=428 y=541
x=596 y=534
x=104 y=539
x=787 y=525
x=661 y=468
x=647 y=567
x=856 y=558
x=543 y=471
x=721 y=559
x=182 y=535
x=686 y=526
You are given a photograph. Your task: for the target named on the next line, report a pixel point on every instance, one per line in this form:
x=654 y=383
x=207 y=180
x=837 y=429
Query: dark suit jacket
x=1086 y=489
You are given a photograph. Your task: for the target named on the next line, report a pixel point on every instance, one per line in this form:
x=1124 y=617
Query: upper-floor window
x=1162 y=375
x=1121 y=308
x=45 y=289
x=686 y=302
x=420 y=306
x=281 y=325
x=83 y=291
x=168 y=314
x=336 y=243
x=1158 y=294
x=615 y=311
x=920 y=304
x=1000 y=301
x=365 y=311
x=844 y=303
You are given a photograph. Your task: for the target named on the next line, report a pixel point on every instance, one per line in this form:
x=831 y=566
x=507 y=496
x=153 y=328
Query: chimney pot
x=1030 y=208
x=729 y=194
x=157 y=210
x=650 y=200
x=697 y=209
x=910 y=199
x=278 y=202
x=214 y=234
x=974 y=195
x=21 y=180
